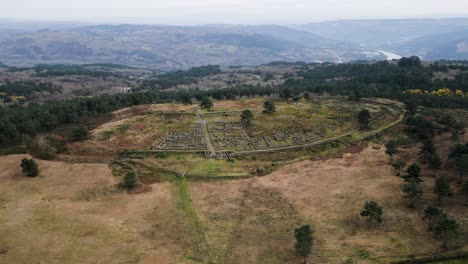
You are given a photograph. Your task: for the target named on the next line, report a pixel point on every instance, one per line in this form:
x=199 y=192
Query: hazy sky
x=227 y=11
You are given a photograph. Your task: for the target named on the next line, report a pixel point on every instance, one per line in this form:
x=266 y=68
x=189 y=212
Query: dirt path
x=206 y=134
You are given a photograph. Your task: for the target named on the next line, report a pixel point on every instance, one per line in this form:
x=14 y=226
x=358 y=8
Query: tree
x=427 y=149
x=432 y=215
x=446 y=228
x=464 y=190
x=186 y=99
x=286 y=94
x=441 y=188
x=364 y=119
x=373 y=211
x=434 y=162
x=356 y=96
x=411 y=106
x=462 y=165
x=459 y=155
x=391 y=149
x=412 y=191
x=80 y=133
x=306 y=95
x=130 y=180
x=413 y=61
x=304 y=241
x=269 y=107
x=29 y=167
x=398 y=166
x=413 y=173
x=206 y=103
x=247 y=117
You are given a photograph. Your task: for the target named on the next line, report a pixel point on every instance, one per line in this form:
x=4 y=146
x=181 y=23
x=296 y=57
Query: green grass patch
x=199 y=249
x=18 y=149
x=106 y=135
x=122 y=129
x=213 y=167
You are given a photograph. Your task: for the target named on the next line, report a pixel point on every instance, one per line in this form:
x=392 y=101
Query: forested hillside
x=409 y=79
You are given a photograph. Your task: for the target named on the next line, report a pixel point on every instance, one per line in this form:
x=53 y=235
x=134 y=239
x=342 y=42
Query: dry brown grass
x=72 y=213
x=330 y=195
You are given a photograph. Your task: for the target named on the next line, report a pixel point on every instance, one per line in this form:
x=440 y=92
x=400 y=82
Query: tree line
x=381 y=79
x=172 y=79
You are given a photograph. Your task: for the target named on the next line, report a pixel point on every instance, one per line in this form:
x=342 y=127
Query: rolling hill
x=171 y=47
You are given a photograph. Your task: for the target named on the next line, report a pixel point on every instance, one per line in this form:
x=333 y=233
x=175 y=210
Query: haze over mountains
x=179 y=47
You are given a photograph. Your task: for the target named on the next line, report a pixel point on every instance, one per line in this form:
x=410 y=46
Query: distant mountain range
x=179 y=47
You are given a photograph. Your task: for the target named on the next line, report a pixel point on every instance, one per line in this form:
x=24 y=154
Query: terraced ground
x=191 y=141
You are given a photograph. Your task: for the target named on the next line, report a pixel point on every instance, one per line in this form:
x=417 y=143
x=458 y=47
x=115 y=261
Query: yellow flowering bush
x=459 y=93
x=414 y=91
x=443 y=92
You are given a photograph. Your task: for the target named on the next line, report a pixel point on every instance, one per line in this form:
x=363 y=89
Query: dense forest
x=172 y=79
x=57 y=70
x=381 y=79
x=27 y=88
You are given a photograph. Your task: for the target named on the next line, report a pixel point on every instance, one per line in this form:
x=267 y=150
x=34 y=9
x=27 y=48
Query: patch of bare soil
x=73 y=213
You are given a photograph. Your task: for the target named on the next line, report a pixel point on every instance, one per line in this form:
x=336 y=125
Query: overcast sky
x=227 y=11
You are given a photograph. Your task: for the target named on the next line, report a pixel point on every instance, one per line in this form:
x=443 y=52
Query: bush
x=79 y=133
x=29 y=167
x=130 y=180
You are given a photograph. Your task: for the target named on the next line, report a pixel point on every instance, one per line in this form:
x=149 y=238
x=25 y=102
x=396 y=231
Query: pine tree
x=269 y=107
x=413 y=173
x=398 y=166
x=130 y=180
x=446 y=228
x=373 y=211
x=441 y=188
x=246 y=118
x=206 y=102
x=432 y=215
x=304 y=241
x=464 y=190
x=364 y=119
x=427 y=149
x=412 y=191
x=434 y=162
x=391 y=149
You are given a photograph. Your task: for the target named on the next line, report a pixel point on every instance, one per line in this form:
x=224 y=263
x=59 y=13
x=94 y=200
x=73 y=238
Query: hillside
x=170 y=47
x=431 y=39
x=181 y=47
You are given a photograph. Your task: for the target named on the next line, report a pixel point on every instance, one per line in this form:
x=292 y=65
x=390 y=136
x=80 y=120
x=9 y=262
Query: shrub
x=130 y=180
x=79 y=133
x=29 y=167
